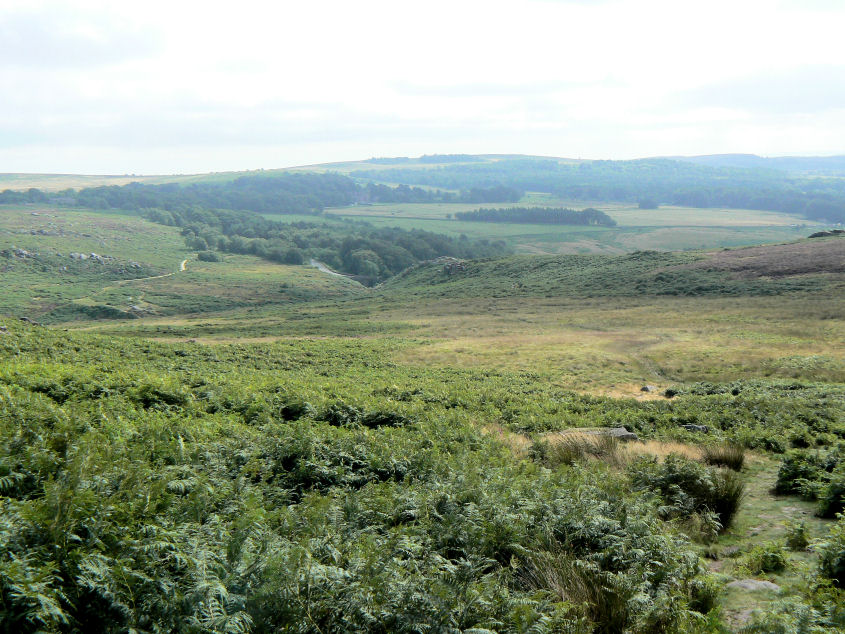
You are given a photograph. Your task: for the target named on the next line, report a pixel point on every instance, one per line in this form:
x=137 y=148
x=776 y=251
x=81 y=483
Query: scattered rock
x=620 y=433
x=753 y=585
x=703 y=429
x=4 y=329
x=648 y=388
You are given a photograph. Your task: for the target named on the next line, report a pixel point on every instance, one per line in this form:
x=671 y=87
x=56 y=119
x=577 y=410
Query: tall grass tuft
x=568 y=449
x=600 y=596
x=728 y=455
x=727 y=496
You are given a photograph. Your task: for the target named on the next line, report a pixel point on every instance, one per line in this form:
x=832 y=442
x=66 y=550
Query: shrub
x=765 y=558
x=727 y=455
x=728 y=492
x=797 y=537
x=209 y=256
x=796 y=470
x=816 y=474
x=687 y=487
x=832 y=497
x=832 y=553
x=157 y=397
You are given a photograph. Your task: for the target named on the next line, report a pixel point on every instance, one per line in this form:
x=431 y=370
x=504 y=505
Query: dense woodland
x=664 y=180
x=285 y=193
x=539 y=215
x=351 y=247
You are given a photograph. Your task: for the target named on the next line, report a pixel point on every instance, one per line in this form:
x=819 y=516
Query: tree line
x=352 y=247
x=539 y=215
x=285 y=193
x=665 y=181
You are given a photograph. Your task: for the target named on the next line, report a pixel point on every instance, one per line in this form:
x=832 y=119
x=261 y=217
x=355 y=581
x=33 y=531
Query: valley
x=200 y=436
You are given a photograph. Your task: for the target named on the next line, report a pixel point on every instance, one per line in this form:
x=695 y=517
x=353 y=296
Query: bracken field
x=636 y=441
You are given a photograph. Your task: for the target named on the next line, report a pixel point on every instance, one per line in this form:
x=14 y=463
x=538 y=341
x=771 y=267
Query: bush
x=600 y=596
x=728 y=492
x=797 y=469
x=832 y=497
x=797 y=537
x=209 y=256
x=687 y=487
x=728 y=455
x=832 y=554
x=815 y=475
x=765 y=558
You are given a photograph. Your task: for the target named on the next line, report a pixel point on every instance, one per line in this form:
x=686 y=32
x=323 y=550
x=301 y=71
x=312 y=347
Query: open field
x=667 y=228
x=601 y=346
x=59 y=182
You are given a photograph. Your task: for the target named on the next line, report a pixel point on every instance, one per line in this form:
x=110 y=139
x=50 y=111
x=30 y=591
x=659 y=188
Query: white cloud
x=190 y=86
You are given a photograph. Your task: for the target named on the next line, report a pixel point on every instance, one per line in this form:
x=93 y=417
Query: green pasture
x=665 y=229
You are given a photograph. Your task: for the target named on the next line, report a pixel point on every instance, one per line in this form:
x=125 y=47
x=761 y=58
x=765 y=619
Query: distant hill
x=822 y=165
x=813 y=187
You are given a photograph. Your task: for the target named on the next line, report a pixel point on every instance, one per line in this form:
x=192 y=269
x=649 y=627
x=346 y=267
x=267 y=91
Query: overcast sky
x=179 y=87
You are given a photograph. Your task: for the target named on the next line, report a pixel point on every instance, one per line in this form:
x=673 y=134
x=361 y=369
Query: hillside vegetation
x=663 y=181
x=319 y=485
x=220 y=438
x=808 y=266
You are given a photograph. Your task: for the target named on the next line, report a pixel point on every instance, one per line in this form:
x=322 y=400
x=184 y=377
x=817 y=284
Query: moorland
x=204 y=431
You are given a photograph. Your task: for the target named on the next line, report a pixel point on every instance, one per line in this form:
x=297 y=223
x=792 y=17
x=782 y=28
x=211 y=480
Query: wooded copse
x=356 y=248
x=539 y=215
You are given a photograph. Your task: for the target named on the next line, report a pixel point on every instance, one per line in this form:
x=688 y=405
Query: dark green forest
x=285 y=193
x=357 y=248
x=666 y=181
x=539 y=215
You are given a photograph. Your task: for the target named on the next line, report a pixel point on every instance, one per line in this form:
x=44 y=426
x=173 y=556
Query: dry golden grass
x=518 y=443
x=661 y=449
x=600 y=447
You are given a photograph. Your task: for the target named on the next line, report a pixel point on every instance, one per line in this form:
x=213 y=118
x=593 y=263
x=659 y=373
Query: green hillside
x=204 y=428
x=809 y=266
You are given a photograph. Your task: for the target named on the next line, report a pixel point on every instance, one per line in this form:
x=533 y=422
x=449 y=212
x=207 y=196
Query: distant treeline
x=539 y=216
x=665 y=181
x=285 y=193
x=350 y=247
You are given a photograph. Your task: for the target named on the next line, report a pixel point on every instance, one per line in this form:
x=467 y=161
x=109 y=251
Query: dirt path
x=322 y=267
x=763 y=518
x=156 y=277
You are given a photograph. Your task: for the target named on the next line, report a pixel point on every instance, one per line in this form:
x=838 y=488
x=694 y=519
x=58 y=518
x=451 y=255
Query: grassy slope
x=479 y=355
x=647 y=272
x=55 y=287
